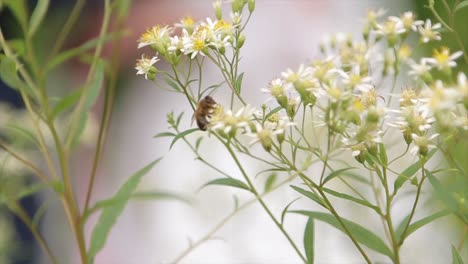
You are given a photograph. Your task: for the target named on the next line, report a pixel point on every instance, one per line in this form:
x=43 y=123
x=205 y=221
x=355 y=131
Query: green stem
x=388 y=218
x=23 y=215
x=262 y=203
x=416 y=200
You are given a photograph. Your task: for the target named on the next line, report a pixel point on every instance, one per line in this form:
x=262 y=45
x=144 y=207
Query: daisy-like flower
x=264 y=135
x=443 y=60
x=421 y=70
x=228 y=122
x=219 y=42
x=176 y=45
x=422 y=144
x=441 y=98
x=277 y=88
x=355 y=80
x=391 y=29
x=409 y=23
x=186 y=23
x=429 y=32
x=414 y=119
x=145 y=66
x=157 y=37
x=196 y=43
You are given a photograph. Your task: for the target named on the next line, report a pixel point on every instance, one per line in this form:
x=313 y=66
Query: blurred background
x=281 y=34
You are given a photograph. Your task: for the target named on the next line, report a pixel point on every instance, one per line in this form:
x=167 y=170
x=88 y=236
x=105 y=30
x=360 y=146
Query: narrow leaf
x=270 y=181
x=71 y=53
x=91 y=94
x=383 y=154
x=336 y=173
x=418 y=224
x=309 y=237
x=181 y=135
x=285 y=210
x=37 y=16
x=456 y=258
x=314 y=197
x=361 y=234
x=110 y=214
x=21 y=133
x=238 y=84
x=19 y=10
x=164 y=134
x=352 y=199
x=443 y=194
x=461 y=6
x=228 y=182
x=8 y=72
x=172 y=84
x=66 y=103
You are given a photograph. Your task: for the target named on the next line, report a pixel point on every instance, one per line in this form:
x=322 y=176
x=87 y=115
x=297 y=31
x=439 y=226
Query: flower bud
x=217 y=9
x=238 y=5
x=251 y=5
x=240 y=41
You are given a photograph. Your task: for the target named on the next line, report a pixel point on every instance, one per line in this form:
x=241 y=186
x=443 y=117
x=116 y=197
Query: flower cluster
x=193 y=38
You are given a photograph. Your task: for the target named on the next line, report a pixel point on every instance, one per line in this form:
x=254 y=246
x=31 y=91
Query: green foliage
x=113 y=209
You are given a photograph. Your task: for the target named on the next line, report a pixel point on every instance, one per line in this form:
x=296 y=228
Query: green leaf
x=336 y=173
x=37 y=16
x=228 y=182
x=159 y=195
x=461 y=6
x=17 y=132
x=314 y=197
x=172 y=84
x=198 y=142
x=418 y=224
x=8 y=72
x=285 y=210
x=182 y=134
x=443 y=194
x=456 y=258
x=361 y=234
x=270 y=181
x=17 y=45
x=275 y=110
x=110 y=213
x=238 y=83
x=123 y=6
x=179 y=118
x=164 y=134
x=383 y=154
x=66 y=102
x=309 y=238
x=352 y=199
x=409 y=172
x=20 y=11
x=71 y=53
x=91 y=94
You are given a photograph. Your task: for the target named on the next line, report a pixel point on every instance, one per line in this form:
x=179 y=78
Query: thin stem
x=388 y=218
x=107 y=113
x=413 y=209
x=28 y=164
x=23 y=215
x=262 y=203
x=72 y=18
x=91 y=74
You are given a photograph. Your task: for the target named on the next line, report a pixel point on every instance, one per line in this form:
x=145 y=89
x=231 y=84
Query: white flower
x=443 y=59
x=428 y=32
x=420 y=70
x=194 y=44
x=154 y=36
x=355 y=80
x=145 y=66
x=422 y=144
x=230 y=122
x=219 y=42
x=176 y=44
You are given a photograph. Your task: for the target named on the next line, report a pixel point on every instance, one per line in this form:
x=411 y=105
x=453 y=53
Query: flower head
x=145 y=66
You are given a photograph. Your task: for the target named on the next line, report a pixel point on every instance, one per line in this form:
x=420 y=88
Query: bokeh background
x=281 y=34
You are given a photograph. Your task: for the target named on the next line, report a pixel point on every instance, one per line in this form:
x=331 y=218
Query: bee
x=203 y=112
